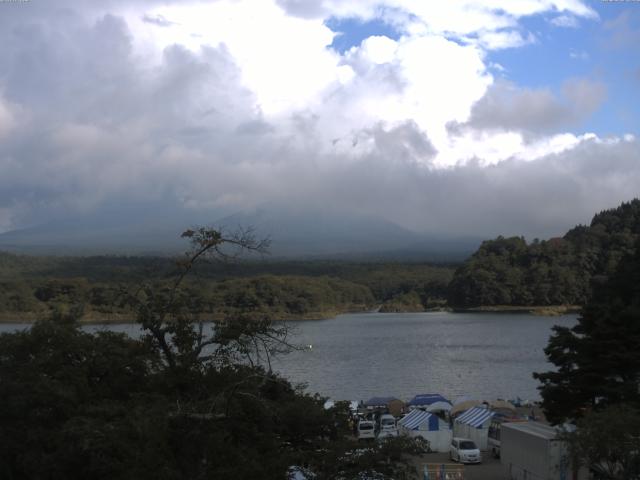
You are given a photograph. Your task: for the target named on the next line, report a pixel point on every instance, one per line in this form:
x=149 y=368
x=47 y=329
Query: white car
x=464 y=450
x=388 y=426
x=366 y=429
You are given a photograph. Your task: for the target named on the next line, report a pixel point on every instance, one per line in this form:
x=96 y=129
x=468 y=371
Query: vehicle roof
x=534 y=428
x=463 y=439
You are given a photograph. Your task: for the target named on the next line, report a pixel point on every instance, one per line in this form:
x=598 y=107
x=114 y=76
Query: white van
x=388 y=427
x=366 y=429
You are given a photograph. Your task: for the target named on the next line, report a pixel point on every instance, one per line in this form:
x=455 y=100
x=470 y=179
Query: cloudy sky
x=461 y=117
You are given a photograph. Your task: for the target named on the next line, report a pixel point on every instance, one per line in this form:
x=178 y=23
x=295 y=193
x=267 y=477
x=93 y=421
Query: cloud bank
x=229 y=105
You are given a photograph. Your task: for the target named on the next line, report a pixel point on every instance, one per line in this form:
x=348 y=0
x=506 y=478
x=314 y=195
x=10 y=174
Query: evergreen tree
x=598 y=359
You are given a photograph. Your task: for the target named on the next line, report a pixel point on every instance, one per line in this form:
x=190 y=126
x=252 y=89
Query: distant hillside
x=294 y=232
x=508 y=271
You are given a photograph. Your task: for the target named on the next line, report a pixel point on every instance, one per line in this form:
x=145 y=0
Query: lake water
x=357 y=356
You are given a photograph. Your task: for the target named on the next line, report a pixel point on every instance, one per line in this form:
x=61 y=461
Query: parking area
x=489 y=469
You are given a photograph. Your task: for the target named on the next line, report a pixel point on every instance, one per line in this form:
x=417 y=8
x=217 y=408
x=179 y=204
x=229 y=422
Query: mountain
x=294 y=233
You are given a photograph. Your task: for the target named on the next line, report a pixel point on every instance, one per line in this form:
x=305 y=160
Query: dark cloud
x=158 y=20
x=508 y=107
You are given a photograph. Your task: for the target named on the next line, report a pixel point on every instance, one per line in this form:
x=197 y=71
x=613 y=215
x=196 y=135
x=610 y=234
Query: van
x=366 y=429
x=464 y=450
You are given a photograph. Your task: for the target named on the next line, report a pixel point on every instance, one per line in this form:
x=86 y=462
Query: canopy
x=439 y=407
x=462 y=406
x=419 y=417
x=475 y=417
x=426 y=399
x=502 y=405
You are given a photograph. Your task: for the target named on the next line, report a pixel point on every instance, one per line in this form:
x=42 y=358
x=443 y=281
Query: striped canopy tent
x=420 y=420
x=464 y=405
x=475 y=417
x=474 y=425
x=427 y=425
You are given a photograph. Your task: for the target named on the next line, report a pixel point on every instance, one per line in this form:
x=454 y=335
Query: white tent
x=419 y=423
x=439 y=407
x=474 y=425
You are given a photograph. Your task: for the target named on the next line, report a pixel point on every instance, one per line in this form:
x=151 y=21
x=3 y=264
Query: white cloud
x=565 y=21
x=236 y=103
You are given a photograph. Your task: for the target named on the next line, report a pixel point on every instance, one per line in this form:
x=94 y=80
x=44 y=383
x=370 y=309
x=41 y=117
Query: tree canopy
x=509 y=271
x=598 y=360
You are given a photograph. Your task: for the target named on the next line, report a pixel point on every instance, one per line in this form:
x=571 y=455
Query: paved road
x=489 y=469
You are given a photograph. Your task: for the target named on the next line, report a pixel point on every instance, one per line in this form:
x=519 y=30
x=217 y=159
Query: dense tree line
x=32 y=286
x=509 y=271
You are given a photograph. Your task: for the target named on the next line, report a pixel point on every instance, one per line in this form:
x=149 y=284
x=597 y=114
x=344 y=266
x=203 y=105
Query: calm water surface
x=485 y=355
x=358 y=356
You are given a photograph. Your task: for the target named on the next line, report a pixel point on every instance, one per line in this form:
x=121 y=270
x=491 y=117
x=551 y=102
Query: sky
x=514 y=117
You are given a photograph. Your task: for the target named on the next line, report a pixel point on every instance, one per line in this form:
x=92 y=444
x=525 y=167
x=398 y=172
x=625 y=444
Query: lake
x=485 y=355
x=357 y=356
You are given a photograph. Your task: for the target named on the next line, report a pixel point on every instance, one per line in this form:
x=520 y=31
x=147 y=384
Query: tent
x=395 y=406
x=424 y=400
x=464 y=405
x=502 y=406
x=474 y=425
x=423 y=424
x=439 y=407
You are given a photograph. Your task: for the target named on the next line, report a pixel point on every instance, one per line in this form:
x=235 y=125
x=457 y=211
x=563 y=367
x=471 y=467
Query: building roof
x=427 y=399
x=475 y=417
x=534 y=428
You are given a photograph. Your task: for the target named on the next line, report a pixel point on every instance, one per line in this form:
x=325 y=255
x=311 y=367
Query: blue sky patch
x=352 y=31
x=592 y=50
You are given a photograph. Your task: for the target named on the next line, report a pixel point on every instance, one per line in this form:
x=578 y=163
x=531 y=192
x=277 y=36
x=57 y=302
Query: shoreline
x=96 y=318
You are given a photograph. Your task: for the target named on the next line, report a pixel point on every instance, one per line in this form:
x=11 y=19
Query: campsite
x=514 y=439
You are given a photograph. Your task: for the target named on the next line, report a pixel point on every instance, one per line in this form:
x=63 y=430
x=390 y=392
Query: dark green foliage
x=286 y=290
x=508 y=271
x=598 y=360
x=177 y=404
x=608 y=442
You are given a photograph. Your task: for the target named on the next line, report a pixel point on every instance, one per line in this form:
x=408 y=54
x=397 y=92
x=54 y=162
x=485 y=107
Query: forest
x=31 y=287
x=558 y=271
x=502 y=272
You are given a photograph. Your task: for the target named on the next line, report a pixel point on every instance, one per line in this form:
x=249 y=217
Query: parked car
x=387 y=426
x=366 y=429
x=464 y=450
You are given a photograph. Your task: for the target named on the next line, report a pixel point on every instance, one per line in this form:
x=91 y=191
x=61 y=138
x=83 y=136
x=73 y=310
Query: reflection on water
x=357 y=356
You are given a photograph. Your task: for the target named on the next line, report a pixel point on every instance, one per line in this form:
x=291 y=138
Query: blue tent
x=426 y=399
x=475 y=417
x=379 y=401
x=418 y=418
